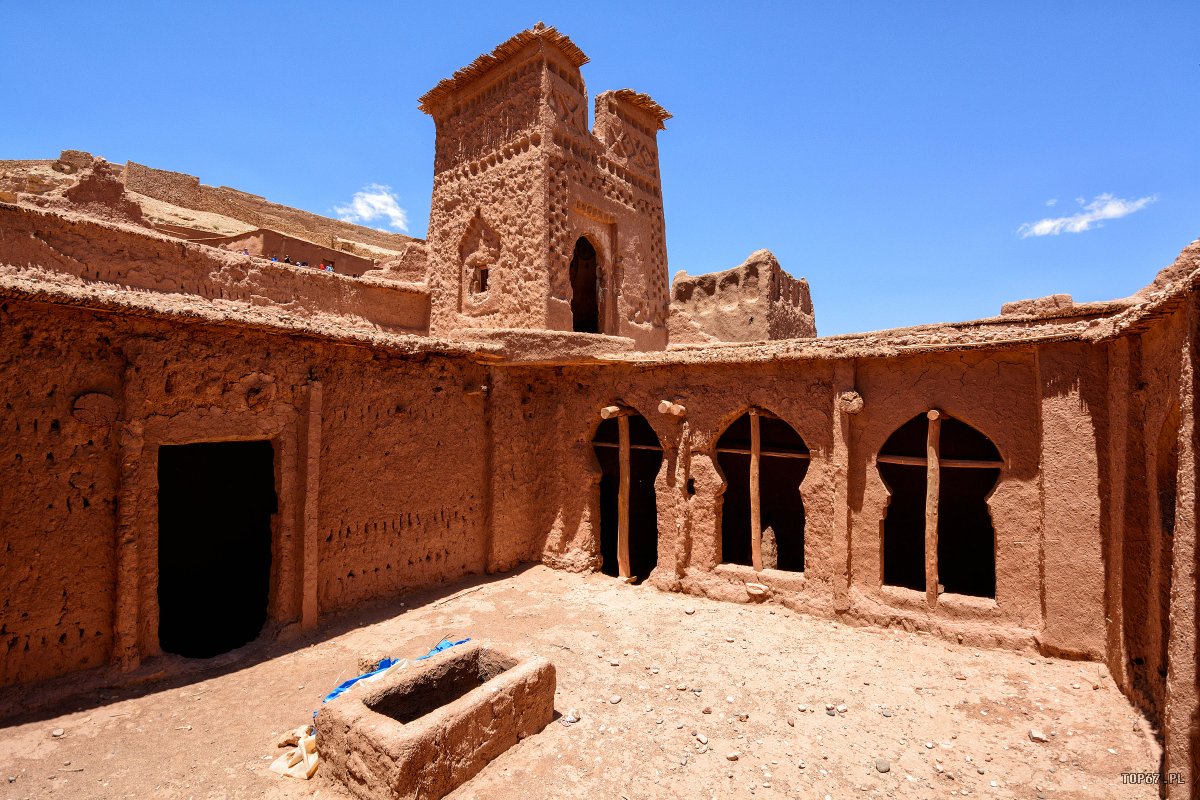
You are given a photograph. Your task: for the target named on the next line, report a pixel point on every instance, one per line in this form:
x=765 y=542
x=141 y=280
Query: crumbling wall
x=187 y=191
x=755 y=301
x=58 y=506
x=378 y=474
x=93 y=251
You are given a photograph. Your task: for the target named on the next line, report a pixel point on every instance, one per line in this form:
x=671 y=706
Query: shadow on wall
x=77 y=691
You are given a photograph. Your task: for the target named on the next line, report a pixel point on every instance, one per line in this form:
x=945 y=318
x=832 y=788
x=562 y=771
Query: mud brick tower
x=537 y=223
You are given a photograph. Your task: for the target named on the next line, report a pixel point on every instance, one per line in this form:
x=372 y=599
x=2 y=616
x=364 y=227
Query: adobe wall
x=93 y=251
x=186 y=191
x=753 y=302
x=1047 y=594
x=269 y=244
x=362 y=441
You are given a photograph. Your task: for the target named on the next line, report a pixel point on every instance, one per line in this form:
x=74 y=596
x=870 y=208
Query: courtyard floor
x=697 y=681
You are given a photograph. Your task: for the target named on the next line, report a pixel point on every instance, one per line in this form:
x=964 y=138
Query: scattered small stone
x=831 y=712
x=616 y=698
x=801 y=765
x=886 y=712
x=732 y=756
x=841 y=709
x=960 y=677
x=683 y=760
x=980 y=770
x=1037 y=736
x=689 y=611
x=882 y=765
x=929 y=745
x=707 y=710
x=57 y=732
x=743 y=717
x=614 y=663
x=701 y=738
x=729 y=699
x=802 y=708
x=791 y=722
x=681 y=686
x=729 y=638
x=829 y=706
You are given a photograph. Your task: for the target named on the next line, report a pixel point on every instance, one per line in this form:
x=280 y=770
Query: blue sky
x=890 y=152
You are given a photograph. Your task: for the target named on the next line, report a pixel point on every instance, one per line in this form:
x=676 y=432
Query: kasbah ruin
x=666 y=540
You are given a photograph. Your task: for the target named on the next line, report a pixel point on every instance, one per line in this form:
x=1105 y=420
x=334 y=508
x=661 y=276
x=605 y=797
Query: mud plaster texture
x=752 y=302
x=422 y=433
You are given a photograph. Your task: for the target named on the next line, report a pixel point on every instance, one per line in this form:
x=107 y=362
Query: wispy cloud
x=1053 y=201
x=1102 y=207
x=374 y=203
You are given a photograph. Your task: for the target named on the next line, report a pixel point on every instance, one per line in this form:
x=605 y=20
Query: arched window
x=585 y=289
x=630 y=456
x=938 y=533
x=762 y=514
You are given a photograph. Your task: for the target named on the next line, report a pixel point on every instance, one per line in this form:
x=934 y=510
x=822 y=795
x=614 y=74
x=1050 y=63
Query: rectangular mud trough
x=430 y=728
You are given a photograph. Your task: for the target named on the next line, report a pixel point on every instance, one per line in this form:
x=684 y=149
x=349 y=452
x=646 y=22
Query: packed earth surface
x=675 y=696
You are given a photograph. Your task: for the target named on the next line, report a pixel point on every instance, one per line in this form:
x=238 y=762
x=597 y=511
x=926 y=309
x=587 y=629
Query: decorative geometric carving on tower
x=514 y=160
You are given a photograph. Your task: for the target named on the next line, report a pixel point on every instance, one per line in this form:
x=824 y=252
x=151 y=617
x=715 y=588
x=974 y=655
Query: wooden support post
x=623 y=501
x=755 y=504
x=933 y=480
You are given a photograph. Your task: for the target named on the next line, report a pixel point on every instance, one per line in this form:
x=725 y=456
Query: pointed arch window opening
x=630 y=456
x=745 y=438
x=973 y=452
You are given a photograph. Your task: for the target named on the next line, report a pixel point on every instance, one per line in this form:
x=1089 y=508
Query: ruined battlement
x=755 y=301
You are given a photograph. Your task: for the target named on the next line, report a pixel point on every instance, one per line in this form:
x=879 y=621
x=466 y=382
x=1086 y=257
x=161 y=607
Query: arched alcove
x=764 y=460
x=965 y=466
x=626 y=445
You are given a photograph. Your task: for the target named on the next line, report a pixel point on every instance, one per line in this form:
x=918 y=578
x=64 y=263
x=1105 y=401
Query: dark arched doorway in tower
x=630 y=456
x=764 y=460
x=585 y=295
x=965 y=466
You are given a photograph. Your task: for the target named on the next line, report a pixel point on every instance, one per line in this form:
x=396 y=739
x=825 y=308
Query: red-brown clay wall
x=548 y=488
x=59 y=479
x=94 y=251
x=378 y=472
x=402 y=477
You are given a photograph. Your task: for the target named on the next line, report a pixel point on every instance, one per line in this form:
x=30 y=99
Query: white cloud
x=1053 y=201
x=375 y=203
x=1102 y=207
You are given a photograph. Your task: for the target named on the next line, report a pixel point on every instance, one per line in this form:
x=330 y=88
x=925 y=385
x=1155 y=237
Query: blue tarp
x=444 y=644
x=387 y=663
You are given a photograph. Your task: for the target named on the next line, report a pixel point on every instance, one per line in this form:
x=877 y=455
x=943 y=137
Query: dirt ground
x=697 y=681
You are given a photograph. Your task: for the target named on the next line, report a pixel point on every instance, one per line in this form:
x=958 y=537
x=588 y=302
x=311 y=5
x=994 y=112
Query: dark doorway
x=645 y=459
x=783 y=463
x=215 y=502
x=585 y=303
x=969 y=466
